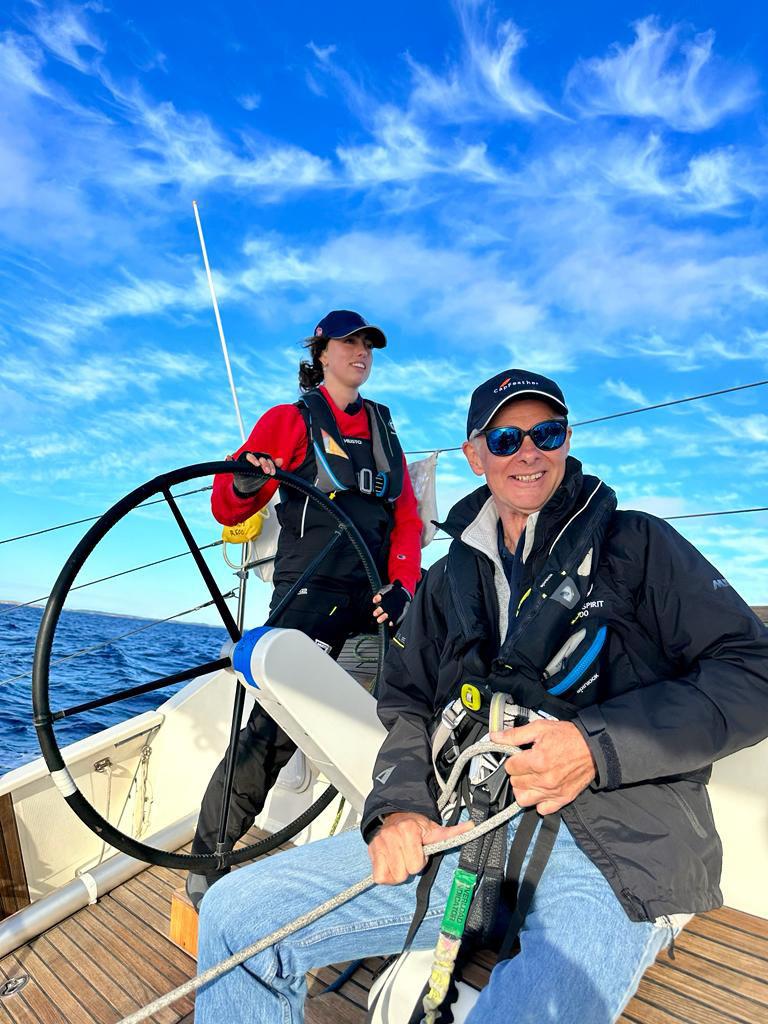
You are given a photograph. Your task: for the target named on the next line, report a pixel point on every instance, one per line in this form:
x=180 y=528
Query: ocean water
x=157 y=650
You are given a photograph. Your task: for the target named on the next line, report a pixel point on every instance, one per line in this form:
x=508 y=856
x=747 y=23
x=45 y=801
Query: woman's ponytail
x=312 y=374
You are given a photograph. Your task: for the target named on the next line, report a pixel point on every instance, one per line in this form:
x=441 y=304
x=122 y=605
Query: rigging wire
x=114 y=639
x=725 y=512
x=429 y=451
x=688 y=515
x=627 y=412
x=103 y=579
x=92 y=519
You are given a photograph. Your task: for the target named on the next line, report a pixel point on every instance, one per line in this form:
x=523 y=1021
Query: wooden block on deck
x=184 y=921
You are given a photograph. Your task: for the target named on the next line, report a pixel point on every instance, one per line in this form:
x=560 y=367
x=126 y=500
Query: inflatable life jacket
x=365 y=476
x=550 y=659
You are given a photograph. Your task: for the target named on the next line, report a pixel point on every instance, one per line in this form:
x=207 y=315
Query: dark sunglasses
x=548 y=436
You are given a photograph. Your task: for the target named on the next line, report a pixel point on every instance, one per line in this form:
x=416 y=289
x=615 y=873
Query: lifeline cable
x=429 y=451
x=92 y=519
x=688 y=515
x=343 y=897
x=627 y=412
x=103 y=579
x=120 y=636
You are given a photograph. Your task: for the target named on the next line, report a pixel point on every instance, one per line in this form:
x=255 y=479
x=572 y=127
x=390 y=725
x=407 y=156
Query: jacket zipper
x=459 y=607
x=628 y=895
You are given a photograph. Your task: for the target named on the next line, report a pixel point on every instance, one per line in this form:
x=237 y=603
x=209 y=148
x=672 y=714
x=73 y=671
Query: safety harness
x=374 y=468
x=548 y=667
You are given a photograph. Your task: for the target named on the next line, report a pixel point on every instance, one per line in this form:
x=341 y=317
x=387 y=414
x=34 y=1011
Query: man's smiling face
x=523 y=482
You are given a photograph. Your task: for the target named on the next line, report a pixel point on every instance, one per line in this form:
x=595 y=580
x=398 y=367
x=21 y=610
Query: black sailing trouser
x=263 y=749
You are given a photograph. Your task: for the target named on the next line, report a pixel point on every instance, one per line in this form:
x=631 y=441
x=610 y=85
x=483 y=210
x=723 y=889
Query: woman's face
x=348 y=361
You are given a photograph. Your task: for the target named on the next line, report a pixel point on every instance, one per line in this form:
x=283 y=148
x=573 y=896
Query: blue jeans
x=581 y=957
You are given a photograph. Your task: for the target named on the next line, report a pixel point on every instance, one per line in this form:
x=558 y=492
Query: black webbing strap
x=542 y=848
x=485 y=857
x=424 y=887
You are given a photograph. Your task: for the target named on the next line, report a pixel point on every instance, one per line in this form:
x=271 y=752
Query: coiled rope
x=343 y=897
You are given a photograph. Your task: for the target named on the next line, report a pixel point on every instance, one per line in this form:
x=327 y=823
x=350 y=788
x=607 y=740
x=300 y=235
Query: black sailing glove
x=246 y=485
x=395 y=601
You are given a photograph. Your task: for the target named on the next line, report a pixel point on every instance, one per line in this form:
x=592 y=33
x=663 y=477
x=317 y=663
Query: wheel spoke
x=135 y=691
x=229 y=771
x=308 y=573
x=205 y=572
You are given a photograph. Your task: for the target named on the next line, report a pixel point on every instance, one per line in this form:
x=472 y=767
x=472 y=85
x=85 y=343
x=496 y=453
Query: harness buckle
x=453 y=713
x=365 y=481
x=381 y=485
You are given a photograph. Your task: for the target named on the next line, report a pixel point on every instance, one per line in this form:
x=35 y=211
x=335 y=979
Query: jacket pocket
x=575 y=669
x=687 y=810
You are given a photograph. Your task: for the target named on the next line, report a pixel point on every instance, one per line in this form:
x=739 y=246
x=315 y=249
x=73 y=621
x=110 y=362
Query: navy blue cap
x=490 y=396
x=340 y=323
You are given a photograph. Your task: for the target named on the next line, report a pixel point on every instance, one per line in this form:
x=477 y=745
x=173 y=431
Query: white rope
x=343 y=897
x=218 y=319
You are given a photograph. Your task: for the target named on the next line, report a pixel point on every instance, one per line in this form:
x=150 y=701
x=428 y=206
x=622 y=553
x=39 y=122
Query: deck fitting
x=13 y=985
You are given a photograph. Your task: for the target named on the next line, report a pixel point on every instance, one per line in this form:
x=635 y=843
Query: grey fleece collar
x=481 y=534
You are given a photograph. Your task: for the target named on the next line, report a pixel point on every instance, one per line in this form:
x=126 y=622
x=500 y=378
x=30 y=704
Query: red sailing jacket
x=282 y=433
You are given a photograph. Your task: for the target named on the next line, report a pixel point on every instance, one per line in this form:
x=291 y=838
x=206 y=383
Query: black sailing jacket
x=684 y=681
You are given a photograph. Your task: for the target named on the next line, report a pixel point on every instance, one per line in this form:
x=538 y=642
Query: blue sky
x=575 y=189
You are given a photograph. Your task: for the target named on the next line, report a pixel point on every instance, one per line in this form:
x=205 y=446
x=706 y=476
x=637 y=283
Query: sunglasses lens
x=549 y=436
x=504 y=440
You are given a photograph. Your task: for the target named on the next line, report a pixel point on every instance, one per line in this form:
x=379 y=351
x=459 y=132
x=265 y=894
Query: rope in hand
x=343 y=897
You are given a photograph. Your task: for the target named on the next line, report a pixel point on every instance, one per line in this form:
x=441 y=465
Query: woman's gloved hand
x=391 y=603
x=246 y=485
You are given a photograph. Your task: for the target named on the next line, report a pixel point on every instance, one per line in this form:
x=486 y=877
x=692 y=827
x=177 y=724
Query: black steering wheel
x=45 y=718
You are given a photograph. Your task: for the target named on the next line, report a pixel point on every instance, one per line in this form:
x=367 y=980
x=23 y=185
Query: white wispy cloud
x=621 y=439
x=400 y=151
x=618 y=165
x=664 y=76
x=656 y=504
x=402 y=146
x=96 y=377
x=65 y=31
x=744 y=344
x=21 y=62
x=627 y=269
x=61 y=323
x=469 y=295
x=747 y=426
x=623 y=390
x=250 y=101
x=486 y=81
x=188 y=150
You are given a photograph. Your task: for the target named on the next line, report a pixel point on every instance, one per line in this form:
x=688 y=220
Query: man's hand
x=396 y=849
x=554 y=771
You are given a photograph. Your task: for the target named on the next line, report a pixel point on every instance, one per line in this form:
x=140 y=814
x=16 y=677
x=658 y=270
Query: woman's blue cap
x=340 y=323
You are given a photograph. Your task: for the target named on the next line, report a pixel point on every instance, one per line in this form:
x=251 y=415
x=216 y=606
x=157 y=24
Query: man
x=646 y=669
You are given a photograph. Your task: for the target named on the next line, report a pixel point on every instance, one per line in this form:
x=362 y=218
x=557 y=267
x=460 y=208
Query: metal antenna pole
x=218 y=319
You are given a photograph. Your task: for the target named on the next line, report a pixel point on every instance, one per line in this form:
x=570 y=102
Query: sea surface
x=156 y=650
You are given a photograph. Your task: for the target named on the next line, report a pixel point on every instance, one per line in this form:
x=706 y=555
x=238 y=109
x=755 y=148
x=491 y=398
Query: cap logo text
x=510 y=383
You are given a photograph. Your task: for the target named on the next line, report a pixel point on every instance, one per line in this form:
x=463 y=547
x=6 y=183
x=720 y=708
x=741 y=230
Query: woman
x=346 y=446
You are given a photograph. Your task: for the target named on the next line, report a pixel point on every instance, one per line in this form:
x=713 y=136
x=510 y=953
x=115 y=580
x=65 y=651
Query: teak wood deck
x=112 y=958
